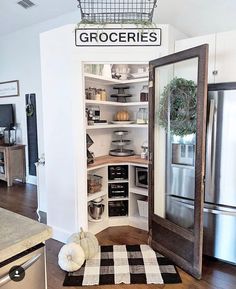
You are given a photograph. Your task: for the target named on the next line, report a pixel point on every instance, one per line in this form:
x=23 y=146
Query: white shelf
x=113 y=103
x=102 y=126
x=95 y=196
x=107 y=80
x=139 y=191
x=95 y=228
x=118 y=199
x=139 y=222
x=117 y=181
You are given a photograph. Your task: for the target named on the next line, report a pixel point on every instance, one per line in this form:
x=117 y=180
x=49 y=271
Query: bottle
x=98 y=94
x=103 y=95
x=144 y=93
x=140 y=117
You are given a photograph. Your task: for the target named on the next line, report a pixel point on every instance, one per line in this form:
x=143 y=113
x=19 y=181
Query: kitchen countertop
x=105 y=160
x=18 y=233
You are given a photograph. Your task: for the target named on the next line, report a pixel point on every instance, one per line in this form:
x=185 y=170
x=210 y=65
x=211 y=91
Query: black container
x=118 y=190
x=118 y=173
x=118 y=208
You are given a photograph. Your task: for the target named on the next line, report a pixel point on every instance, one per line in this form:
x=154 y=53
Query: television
x=6 y=115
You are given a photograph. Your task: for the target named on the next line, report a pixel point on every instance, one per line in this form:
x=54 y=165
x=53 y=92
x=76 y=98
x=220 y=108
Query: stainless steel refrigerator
x=220 y=181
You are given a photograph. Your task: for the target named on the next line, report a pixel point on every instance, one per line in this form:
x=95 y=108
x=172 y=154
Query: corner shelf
x=118 y=199
x=114 y=103
x=96 y=195
x=139 y=191
x=107 y=80
x=102 y=126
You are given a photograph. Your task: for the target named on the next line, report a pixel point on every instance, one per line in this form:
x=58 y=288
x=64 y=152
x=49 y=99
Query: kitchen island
x=22 y=244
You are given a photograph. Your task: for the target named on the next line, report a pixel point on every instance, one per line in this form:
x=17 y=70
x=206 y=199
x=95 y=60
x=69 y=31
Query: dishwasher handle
x=6 y=278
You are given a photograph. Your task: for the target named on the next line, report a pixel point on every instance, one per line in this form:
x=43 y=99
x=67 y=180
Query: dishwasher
x=26 y=270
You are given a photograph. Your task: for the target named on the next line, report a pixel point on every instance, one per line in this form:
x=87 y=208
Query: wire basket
x=117 y=11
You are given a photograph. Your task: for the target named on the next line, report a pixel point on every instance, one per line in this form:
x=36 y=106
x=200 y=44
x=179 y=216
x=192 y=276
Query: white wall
x=20 y=59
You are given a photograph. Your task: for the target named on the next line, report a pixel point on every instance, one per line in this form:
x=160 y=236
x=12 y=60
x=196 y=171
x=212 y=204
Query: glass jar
x=140 y=116
x=10 y=136
x=146 y=115
x=103 y=95
x=144 y=93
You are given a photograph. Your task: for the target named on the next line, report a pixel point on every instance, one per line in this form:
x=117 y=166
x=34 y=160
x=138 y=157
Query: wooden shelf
x=110 y=81
x=95 y=195
x=102 y=126
x=107 y=160
x=113 y=103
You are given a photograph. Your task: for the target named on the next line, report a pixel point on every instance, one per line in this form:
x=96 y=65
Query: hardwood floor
x=22 y=199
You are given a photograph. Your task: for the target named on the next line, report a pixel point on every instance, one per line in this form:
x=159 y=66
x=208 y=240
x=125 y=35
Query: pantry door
x=177 y=127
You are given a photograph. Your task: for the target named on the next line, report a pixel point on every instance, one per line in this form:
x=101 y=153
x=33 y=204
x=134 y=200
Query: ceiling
x=194 y=17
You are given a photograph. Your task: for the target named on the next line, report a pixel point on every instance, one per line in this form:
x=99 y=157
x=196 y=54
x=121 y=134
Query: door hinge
x=150 y=157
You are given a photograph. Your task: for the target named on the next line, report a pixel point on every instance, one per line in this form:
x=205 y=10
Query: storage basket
x=116 y=11
x=94 y=184
x=143 y=208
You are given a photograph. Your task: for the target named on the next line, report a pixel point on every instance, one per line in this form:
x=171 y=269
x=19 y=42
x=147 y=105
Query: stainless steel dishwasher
x=31 y=264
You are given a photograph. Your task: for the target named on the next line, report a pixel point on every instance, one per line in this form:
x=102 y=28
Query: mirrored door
x=178 y=89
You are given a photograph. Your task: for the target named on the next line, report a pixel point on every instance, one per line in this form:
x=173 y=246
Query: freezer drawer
x=33 y=261
x=219 y=237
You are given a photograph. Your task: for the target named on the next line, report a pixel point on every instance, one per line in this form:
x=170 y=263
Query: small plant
x=178 y=104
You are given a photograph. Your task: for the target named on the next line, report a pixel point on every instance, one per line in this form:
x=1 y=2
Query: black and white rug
x=128 y=264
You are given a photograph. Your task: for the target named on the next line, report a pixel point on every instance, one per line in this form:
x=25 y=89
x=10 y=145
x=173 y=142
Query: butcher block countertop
x=107 y=160
x=18 y=233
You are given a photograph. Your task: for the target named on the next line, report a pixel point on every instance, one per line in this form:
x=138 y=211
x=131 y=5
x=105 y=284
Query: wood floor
x=22 y=199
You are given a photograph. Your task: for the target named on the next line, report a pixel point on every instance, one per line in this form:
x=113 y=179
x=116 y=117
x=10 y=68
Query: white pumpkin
x=87 y=241
x=71 y=257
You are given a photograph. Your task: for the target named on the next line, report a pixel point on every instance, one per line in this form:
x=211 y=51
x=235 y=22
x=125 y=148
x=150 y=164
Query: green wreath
x=180 y=93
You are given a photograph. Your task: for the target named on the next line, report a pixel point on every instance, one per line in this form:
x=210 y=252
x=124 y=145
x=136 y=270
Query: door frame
x=195 y=237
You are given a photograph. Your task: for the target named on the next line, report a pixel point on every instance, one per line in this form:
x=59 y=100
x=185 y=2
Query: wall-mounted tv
x=7 y=118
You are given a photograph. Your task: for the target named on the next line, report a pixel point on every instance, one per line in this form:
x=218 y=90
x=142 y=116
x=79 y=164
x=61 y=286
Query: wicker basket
x=94 y=184
x=116 y=11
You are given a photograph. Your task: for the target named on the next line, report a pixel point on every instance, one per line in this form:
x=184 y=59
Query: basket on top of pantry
x=94 y=184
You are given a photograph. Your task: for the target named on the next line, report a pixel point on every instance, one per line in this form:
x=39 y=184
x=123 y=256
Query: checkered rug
x=128 y=264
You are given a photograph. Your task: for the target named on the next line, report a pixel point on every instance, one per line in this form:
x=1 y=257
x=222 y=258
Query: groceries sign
x=117 y=37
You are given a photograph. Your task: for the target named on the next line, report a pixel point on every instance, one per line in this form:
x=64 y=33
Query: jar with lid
x=144 y=93
x=103 y=95
x=140 y=116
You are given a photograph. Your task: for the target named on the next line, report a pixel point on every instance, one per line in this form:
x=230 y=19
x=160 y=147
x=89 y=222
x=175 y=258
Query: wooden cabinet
x=222 y=55
x=12 y=163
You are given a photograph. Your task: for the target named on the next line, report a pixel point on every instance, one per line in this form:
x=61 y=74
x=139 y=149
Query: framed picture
x=9 y=88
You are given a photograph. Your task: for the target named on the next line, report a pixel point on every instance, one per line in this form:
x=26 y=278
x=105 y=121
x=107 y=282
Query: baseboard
x=31 y=180
x=60 y=235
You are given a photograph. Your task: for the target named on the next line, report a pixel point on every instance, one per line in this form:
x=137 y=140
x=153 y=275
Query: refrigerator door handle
x=210 y=152
x=6 y=278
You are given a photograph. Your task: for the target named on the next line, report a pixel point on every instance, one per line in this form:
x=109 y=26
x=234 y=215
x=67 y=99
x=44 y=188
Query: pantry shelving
x=117 y=104
x=109 y=81
x=104 y=126
x=94 y=196
x=102 y=135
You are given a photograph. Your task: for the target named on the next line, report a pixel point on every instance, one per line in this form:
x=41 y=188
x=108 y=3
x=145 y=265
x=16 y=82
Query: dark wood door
x=177 y=125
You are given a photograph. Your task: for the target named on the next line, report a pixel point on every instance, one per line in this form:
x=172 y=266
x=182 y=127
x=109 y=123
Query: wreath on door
x=180 y=102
